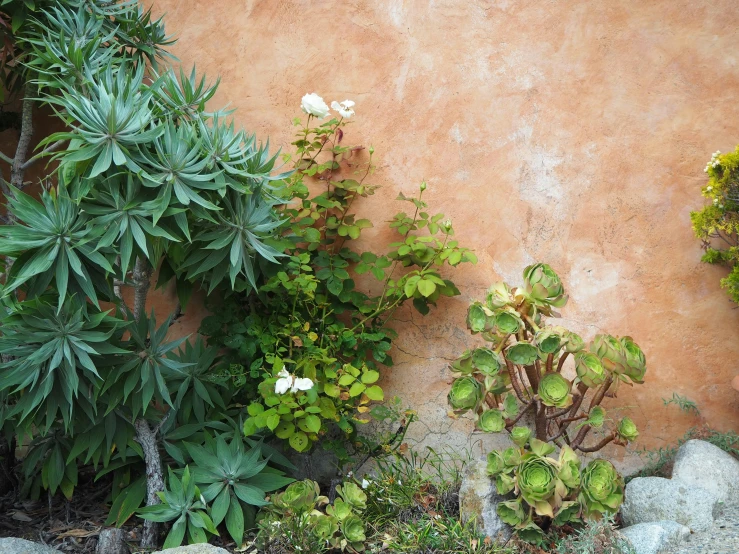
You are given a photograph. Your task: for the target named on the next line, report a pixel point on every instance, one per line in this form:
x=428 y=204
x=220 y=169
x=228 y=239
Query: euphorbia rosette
x=554 y=390
x=601 y=488
x=636 y=362
x=466 y=393
x=543 y=288
x=589 y=369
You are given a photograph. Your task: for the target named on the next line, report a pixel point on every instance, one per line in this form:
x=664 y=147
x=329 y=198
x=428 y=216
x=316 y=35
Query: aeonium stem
x=561 y=363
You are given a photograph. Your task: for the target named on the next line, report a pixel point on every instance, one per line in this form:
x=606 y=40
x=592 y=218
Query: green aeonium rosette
x=550 y=339
x=590 y=370
x=636 y=362
x=495 y=463
x=554 y=390
x=520 y=436
x=543 y=287
x=536 y=477
x=575 y=343
x=300 y=496
x=569 y=467
x=466 y=393
x=491 y=421
x=601 y=488
x=611 y=353
x=627 y=429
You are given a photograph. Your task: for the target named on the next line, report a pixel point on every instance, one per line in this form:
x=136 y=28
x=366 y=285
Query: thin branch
x=598 y=398
x=550 y=361
x=7 y=159
x=598 y=446
x=514 y=381
x=525 y=409
x=53 y=148
x=577 y=441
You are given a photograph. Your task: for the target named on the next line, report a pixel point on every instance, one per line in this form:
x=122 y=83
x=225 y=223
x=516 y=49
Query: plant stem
x=154 y=477
x=141 y=282
x=598 y=446
x=541 y=421
x=562 y=359
x=17 y=171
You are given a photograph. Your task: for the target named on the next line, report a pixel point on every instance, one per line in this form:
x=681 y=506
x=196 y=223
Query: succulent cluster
x=558 y=489
x=521 y=370
x=301 y=512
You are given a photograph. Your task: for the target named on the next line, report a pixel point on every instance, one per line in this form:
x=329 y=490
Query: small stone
x=21 y=546
x=478 y=498
x=652 y=538
x=649 y=499
x=194 y=549
x=699 y=463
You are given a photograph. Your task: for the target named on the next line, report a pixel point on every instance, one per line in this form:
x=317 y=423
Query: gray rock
x=194 y=549
x=655 y=537
x=699 y=463
x=21 y=546
x=478 y=499
x=649 y=499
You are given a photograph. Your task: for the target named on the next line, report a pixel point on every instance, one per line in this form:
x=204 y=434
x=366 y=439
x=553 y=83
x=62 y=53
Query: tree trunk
x=110 y=541
x=146 y=437
x=141 y=282
x=24 y=141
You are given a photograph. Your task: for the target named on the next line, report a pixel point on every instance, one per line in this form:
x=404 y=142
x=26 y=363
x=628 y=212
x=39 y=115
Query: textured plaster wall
x=570 y=132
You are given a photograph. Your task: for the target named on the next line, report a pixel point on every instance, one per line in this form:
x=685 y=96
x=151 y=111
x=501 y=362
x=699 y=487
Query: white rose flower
x=302 y=383
x=344 y=108
x=313 y=104
x=287 y=382
x=284 y=382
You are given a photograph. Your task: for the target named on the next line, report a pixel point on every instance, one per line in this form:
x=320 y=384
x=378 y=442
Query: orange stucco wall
x=570 y=132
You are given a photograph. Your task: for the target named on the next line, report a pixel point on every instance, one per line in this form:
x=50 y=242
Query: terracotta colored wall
x=571 y=132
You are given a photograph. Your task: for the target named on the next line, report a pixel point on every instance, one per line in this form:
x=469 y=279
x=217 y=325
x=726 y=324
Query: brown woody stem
x=515 y=383
x=541 y=421
x=533 y=376
x=550 y=361
x=598 y=446
x=598 y=398
x=561 y=363
x=525 y=409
